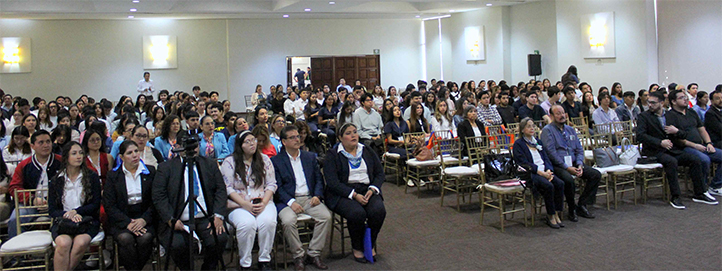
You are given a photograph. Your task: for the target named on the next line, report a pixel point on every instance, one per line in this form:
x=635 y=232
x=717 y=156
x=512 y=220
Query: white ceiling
x=222 y=9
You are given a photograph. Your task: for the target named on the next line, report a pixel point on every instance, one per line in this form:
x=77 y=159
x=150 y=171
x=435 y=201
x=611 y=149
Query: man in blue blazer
x=300 y=191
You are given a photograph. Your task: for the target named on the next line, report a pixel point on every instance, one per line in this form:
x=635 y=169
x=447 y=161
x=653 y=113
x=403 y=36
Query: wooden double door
x=329 y=70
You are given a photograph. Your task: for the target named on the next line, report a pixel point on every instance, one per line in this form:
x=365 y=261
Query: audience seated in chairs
x=528 y=153
x=370 y=124
x=354 y=176
x=73 y=198
x=563 y=148
x=250 y=184
x=128 y=201
x=470 y=127
x=213 y=144
x=34 y=173
x=713 y=119
x=656 y=142
x=686 y=125
x=300 y=191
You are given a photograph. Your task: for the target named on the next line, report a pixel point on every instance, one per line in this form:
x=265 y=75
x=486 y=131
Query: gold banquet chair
x=32 y=243
x=417 y=171
x=455 y=177
x=499 y=194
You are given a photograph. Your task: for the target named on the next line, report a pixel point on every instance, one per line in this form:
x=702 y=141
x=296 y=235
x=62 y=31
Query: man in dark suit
x=170 y=192
x=656 y=141
x=300 y=191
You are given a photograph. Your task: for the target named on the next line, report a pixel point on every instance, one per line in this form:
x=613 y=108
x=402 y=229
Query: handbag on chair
x=499 y=167
x=422 y=153
x=630 y=155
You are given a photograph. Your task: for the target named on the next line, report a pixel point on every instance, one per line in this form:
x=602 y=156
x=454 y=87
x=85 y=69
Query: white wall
x=629 y=67
x=453 y=29
x=690 y=43
x=103 y=58
x=533 y=27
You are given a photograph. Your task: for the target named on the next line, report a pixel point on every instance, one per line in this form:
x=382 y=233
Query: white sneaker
x=422 y=183
x=409 y=183
x=715 y=191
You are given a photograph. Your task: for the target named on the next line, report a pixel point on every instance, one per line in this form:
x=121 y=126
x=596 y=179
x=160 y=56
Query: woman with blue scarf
x=127 y=199
x=528 y=154
x=354 y=176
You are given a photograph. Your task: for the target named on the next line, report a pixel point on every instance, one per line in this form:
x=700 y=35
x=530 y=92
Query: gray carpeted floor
x=419 y=234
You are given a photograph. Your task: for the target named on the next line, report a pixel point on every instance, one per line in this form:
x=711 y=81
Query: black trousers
x=696 y=172
x=588 y=196
x=552 y=192
x=134 y=251
x=212 y=251
x=357 y=216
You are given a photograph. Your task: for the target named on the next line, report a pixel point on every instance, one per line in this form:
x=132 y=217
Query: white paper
x=568 y=160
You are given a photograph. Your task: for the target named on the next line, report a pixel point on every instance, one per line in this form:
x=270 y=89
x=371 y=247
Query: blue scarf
x=353 y=161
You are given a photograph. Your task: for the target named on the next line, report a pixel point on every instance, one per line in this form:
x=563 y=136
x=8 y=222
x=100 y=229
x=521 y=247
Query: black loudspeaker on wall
x=534 y=61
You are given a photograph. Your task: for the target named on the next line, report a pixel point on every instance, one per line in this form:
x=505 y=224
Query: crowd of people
x=312 y=150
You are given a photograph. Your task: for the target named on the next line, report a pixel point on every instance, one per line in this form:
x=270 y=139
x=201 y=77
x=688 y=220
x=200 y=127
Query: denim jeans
x=12 y=224
x=707 y=160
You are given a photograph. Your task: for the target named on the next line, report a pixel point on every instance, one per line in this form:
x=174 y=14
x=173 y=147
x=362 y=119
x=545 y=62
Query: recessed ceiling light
x=136 y=1
x=418 y=16
x=488 y=5
x=307 y=10
x=131 y=16
x=332 y=3
x=133 y=10
x=285 y=15
x=451 y=10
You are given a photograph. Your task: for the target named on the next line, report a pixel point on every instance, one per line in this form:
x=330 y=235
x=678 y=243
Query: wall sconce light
x=15 y=55
x=160 y=52
x=11 y=55
x=597 y=35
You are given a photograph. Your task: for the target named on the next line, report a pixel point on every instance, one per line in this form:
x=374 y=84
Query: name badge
x=400 y=138
x=568 y=160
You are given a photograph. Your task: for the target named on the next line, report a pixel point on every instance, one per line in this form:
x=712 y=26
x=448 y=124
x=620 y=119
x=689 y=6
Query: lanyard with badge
x=568 y=157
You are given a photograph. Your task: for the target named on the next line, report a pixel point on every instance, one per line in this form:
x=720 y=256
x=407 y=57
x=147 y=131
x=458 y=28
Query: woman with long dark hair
x=354 y=176
x=251 y=182
x=60 y=137
x=18 y=149
x=260 y=117
x=345 y=114
x=73 y=197
x=44 y=119
x=417 y=122
x=588 y=106
x=129 y=204
x=617 y=95
x=327 y=117
x=642 y=96
x=169 y=135
x=97 y=159
x=155 y=120
x=140 y=103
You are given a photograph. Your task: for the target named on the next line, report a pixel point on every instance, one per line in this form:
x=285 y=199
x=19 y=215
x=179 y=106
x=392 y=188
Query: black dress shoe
x=561 y=224
x=360 y=260
x=551 y=225
x=316 y=261
x=583 y=212
x=298 y=264
x=573 y=216
x=264 y=266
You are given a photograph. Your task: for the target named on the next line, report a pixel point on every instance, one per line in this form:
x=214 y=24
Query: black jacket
x=115 y=199
x=169 y=192
x=336 y=171
x=465 y=130
x=651 y=133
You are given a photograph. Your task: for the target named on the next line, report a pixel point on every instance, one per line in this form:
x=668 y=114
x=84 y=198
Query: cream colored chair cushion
x=648 y=166
x=28 y=241
x=460 y=171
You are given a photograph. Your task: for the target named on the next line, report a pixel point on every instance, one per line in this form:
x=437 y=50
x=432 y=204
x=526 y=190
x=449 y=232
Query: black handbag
x=67 y=226
x=499 y=167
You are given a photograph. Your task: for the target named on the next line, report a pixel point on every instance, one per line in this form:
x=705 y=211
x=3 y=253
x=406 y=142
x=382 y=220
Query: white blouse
x=538 y=161
x=73 y=196
x=360 y=174
x=13 y=159
x=133 y=185
x=234 y=183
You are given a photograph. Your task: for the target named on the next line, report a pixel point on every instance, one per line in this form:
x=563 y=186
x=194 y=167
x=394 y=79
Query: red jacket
x=27 y=174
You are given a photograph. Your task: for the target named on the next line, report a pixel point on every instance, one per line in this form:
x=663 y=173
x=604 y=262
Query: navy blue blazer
x=336 y=171
x=286 y=180
x=522 y=156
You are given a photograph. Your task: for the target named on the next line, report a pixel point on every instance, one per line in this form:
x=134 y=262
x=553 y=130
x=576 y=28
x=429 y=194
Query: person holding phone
x=250 y=183
x=354 y=176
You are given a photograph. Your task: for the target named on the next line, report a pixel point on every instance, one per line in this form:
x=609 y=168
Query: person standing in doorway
x=300 y=78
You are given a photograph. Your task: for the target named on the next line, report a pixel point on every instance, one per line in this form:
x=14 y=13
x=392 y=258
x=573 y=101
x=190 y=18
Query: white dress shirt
x=300 y=105
x=73 y=197
x=300 y=177
x=288 y=106
x=143 y=85
x=133 y=185
x=200 y=199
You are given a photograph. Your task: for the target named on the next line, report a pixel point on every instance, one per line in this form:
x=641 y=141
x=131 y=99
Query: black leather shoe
x=573 y=216
x=553 y=226
x=360 y=260
x=316 y=261
x=264 y=266
x=583 y=212
x=298 y=264
x=561 y=224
